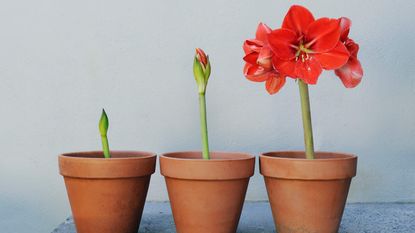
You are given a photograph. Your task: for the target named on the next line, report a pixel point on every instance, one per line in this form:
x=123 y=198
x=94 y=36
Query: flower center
x=302 y=51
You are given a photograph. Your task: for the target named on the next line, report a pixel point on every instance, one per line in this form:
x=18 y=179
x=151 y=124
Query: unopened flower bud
x=201 y=70
x=103 y=123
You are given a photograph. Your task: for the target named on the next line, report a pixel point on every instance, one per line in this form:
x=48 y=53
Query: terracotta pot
x=207 y=196
x=107 y=195
x=307 y=196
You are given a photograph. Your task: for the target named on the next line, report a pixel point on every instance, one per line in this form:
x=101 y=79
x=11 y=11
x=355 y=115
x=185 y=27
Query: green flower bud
x=201 y=70
x=103 y=123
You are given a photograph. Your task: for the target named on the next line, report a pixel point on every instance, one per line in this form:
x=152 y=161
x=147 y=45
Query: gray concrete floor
x=256 y=218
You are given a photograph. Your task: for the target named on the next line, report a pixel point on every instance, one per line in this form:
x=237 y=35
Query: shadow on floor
x=257 y=218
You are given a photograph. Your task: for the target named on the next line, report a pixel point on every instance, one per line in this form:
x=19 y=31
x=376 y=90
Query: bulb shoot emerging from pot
x=103 y=129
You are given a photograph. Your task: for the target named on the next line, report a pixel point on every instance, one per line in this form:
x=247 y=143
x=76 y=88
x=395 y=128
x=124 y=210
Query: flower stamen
x=304 y=52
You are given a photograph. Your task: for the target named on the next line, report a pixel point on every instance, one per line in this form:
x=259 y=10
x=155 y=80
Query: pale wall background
x=62 y=61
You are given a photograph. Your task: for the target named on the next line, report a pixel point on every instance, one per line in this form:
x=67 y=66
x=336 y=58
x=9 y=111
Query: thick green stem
x=105 y=147
x=203 y=126
x=308 y=130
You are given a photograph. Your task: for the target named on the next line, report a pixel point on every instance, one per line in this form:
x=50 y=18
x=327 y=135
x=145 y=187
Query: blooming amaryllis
x=301 y=49
x=258 y=58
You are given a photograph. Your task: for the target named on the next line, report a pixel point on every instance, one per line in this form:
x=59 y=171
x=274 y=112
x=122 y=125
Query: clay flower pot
x=206 y=195
x=107 y=195
x=307 y=196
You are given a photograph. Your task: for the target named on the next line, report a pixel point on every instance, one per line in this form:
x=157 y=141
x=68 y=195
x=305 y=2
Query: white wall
x=62 y=61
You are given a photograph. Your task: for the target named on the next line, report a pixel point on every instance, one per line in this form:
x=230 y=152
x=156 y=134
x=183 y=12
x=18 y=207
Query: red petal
x=309 y=70
x=284 y=67
x=262 y=31
x=352 y=47
x=281 y=42
x=252 y=46
x=251 y=58
x=201 y=56
x=323 y=34
x=345 y=24
x=274 y=83
x=264 y=58
x=297 y=19
x=350 y=74
x=258 y=78
x=335 y=58
x=265 y=53
x=255 y=73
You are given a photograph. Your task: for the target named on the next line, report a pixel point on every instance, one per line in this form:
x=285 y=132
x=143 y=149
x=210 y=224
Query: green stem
x=203 y=126
x=308 y=130
x=105 y=147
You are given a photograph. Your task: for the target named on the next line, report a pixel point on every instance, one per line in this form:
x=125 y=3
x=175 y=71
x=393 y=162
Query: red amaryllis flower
x=351 y=73
x=303 y=47
x=258 y=58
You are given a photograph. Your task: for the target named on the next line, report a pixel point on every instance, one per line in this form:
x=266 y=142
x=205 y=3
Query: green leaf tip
x=103 y=128
x=103 y=123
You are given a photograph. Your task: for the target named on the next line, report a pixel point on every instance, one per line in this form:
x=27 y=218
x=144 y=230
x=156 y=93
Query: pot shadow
x=256 y=217
x=157 y=218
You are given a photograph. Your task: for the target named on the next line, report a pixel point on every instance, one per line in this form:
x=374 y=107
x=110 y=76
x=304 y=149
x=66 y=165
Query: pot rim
x=88 y=166
x=338 y=166
x=82 y=155
x=202 y=169
x=346 y=156
x=166 y=155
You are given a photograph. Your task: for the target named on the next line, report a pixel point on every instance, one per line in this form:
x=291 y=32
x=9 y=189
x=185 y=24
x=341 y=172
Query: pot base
x=107 y=195
x=307 y=196
x=207 y=196
x=107 y=205
x=206 y=206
